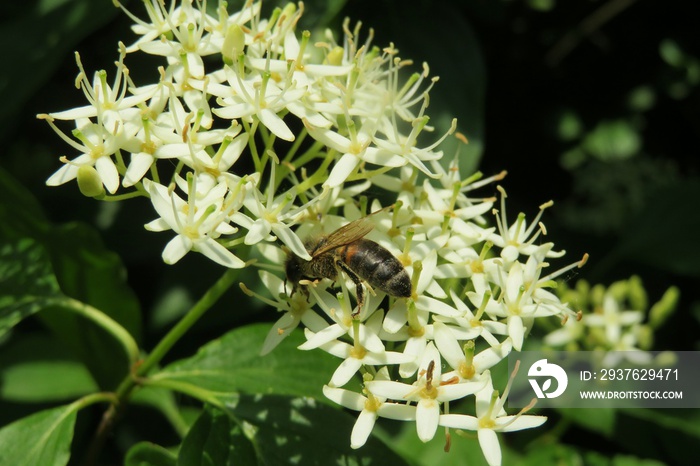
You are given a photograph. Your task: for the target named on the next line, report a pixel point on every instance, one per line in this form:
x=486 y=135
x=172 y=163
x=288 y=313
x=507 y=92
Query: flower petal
x=279 y=331
x=345 y=371
x=258 y=231
x=516 y=331
x=219 y=254
x=176 y=249
x=341 y=170
x=488 y=440
x=291 y=240
x=345 y=398
x=275 y=124
x=459 y=421
x=139 y=165
x=108 y=173
x=362 y=428
x=515 y=423
x=427 y=416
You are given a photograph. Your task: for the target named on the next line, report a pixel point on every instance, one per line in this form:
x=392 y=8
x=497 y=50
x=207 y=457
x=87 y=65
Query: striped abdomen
x=377 y=266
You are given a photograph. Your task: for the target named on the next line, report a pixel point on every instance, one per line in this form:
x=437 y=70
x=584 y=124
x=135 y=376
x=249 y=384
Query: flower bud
x=234 y=43
x=89 y=182
x=335 y=56
x=664 y=307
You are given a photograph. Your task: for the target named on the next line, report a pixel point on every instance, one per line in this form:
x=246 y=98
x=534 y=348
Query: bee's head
x=293 y=269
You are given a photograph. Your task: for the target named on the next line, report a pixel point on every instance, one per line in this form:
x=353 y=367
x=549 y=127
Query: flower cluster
x=271 y=139
x=613 y=318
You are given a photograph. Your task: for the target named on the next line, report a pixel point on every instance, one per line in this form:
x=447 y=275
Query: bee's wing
x=347 y=233
x=344 y=235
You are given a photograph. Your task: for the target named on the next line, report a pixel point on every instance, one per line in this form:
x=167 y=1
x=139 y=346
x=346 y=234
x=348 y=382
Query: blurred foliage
x=594 y=103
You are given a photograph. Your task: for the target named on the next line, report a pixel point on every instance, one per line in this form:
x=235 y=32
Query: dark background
x=593 y=104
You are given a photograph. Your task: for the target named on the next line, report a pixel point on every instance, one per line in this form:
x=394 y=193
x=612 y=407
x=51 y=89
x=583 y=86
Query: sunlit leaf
x=233 y=363
x=295 y=431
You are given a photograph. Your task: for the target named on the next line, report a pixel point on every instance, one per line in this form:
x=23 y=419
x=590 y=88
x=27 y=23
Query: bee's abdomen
x=377 y=266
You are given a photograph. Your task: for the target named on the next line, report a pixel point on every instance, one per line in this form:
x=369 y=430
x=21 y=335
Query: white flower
x=371 y=407
x=297 y=309
x=97 y=146
x=405 y=146
x=427 y=392
x=272 y=216
x=341 y=314
x=198 y=222
x=105 y=102
x=466 y=365
x=516 y=302
x=257 y=95
x=469 y=325
x=491 y=418
x=367 y=349
x=520 y=237
x=354 y=149
x=612 y=319
x=185 y=23
x=571 y=331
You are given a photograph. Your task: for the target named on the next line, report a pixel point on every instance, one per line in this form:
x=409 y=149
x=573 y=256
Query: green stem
x=204 y=303
x=93 y=398
x=103 y=429
x=317 y=177
x=251 y=144
x=127 y=385
x=104 y=321
x=125 y=196
x=204 y=395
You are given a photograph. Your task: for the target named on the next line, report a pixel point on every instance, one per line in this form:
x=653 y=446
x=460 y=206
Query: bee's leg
x=358 y=286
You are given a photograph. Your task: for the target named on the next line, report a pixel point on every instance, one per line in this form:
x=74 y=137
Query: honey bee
x=347 y=250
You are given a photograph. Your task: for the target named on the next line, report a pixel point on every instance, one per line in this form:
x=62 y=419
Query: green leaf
x=149 y=454
x=38 y=368
x=91 y=273
x=164 y=401
x=42 y=439
x=26 y=280
x=87 y=271
x=40 y=262
x=294 y=431
x=216 y=439
x=463 y=449
x=26 y=277
x=233 y=363
x=557 y=453
x=627 y=460
x=19 y=209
